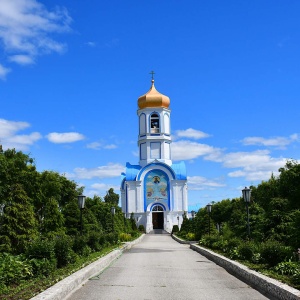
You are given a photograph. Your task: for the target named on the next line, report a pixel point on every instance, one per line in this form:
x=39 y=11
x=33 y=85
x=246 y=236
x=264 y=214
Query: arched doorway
x=158 y=217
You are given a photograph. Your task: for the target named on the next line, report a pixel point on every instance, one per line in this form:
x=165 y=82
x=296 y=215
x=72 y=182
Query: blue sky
x=71 y=73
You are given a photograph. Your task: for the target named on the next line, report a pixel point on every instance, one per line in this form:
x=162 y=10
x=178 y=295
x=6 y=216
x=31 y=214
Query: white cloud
x=22 y=59
x=21 y=142
x=66 y=137
x=3 y=72
x=108 y=171
x=9 y=128
x=98 y=146
x=274 y=141
x=110 y=146
x=191 y=133
x=104 y=187
x=256 y=165
x=9 y=138
x=202 y=183
x=26 y=27
x=186 y=150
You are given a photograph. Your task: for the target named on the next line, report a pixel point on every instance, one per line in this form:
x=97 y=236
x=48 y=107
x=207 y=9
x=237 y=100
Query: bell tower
x=154 y=140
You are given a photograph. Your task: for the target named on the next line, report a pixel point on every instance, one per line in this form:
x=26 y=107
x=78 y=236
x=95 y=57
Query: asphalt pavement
x=160 y=268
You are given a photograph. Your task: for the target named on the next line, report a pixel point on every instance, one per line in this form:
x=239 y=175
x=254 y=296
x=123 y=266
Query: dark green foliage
x=141 y=228
x=43 y=266
x=175 y=229
x=41 y=248
x=111 y=197
x=63 y=251
x=19 y=225
x=247 y=250
x=273 y=252
x=80 y=242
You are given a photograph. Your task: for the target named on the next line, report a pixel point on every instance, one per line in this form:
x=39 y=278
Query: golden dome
x=153 y=99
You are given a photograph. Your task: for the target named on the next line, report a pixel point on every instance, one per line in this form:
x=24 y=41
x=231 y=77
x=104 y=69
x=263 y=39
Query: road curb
x=268 y=286
x=70 y=284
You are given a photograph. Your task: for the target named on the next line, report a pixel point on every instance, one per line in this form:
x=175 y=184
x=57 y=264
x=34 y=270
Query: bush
x=125 y=237
x=112 y=238
x=247 y=250
x=41 y=249
x=13 y=269
x=190 y=236
x=80 y=242
x=175 y=229
x=141 y=228
x=94 y=241
x=43 y=266
x=273 y=252
x=63 y=251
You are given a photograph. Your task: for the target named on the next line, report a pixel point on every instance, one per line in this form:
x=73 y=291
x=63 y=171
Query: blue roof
x=131 y=171
x=180 y=170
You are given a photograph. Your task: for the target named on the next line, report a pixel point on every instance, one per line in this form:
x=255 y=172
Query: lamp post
x=208 y=208
x=81 y=202
x=247 y=195
x=113 y=211
x=178 y=221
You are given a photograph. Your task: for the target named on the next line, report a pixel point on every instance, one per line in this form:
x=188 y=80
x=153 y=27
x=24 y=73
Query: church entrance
x=158 y=217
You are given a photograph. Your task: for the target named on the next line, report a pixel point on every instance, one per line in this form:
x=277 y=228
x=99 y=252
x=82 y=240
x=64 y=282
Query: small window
x=157 y=208
x=154 y=123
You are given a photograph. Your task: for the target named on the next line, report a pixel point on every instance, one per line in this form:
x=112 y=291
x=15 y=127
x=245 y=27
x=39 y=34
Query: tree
x=53 y=222
x=111 y=197
x=19 y=225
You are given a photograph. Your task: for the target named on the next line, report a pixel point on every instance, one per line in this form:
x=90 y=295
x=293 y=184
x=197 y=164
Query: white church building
x=155 y=189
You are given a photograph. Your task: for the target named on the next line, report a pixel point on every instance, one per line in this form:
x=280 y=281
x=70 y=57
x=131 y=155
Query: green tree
x=19 y=225
x=111 y=197
x=53 y=221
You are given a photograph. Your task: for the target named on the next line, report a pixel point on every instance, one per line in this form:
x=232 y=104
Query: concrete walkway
x=161 y=268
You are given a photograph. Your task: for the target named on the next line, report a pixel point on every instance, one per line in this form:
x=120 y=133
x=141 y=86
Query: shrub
x=247 y=250
x=112 y=238
x=63 y=251
x=141 y=228
x=94 y=241
x=125 y=237
x=43 y=266
x=288 y=268
x=190 y=236
x=14 y=268
x=175 y=229
x=273 y=252
x=80 y=242
x=41 y=249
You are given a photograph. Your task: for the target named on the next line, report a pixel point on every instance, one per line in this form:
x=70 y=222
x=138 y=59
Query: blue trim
x=154 y=165
x=123 y=183
x=157 y=203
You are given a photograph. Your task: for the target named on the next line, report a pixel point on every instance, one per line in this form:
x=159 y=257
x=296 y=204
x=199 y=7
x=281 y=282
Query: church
x=155 y=189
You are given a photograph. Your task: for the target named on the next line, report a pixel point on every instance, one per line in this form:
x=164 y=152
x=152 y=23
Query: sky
x=71 y=73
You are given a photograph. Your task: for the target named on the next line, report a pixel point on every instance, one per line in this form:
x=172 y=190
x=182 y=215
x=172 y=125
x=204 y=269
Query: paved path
x=160 y=268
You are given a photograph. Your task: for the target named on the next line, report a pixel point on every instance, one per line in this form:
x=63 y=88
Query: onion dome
x=153 y=99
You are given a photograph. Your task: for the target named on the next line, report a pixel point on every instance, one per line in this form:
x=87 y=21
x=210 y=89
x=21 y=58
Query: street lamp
x=81 y=202
x=247 y=195
x=208 y=208
x=113 y=211
x=178 y=221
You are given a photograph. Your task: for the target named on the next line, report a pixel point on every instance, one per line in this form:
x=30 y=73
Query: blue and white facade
x=155 y=190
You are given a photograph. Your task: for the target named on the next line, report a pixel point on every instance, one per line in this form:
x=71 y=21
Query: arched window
x=154 y=123
x=157 y=208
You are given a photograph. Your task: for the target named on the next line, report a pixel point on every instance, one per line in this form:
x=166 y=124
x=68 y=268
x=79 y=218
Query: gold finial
x=152 y=75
